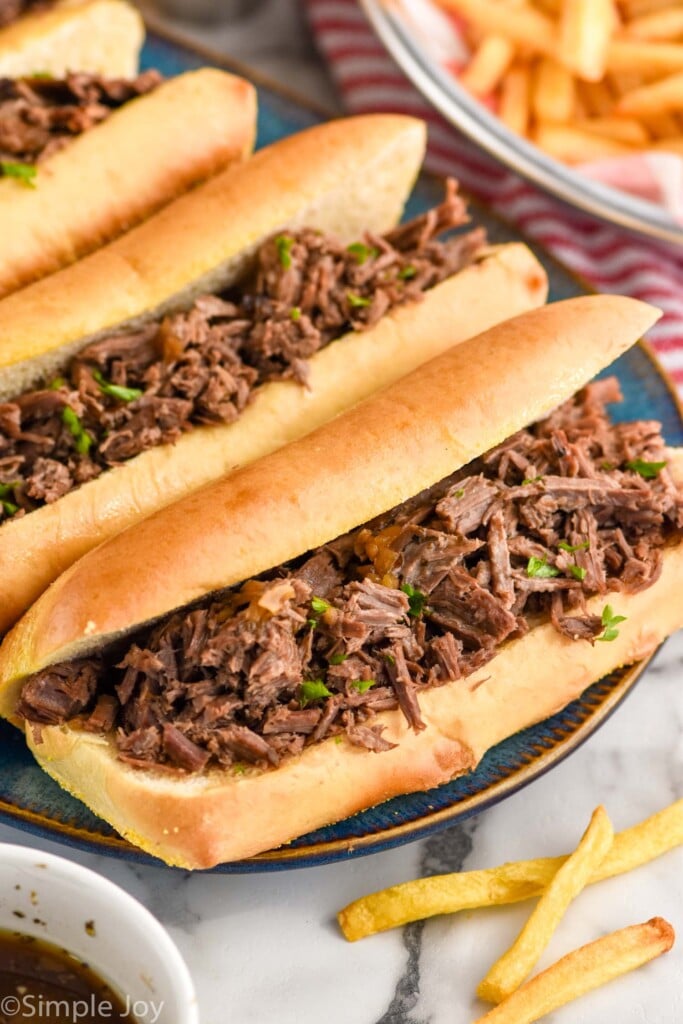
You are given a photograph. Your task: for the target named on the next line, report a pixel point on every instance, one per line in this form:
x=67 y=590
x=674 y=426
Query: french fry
x=584 y=970
x=522 y=24
x=674 y=145
x=597 y=98
x=515 y=97
x=489 y=63
x=662 y=25
x=621 y=129
x=665 y=95
x=574 y=146
x=510 y=970
x=586 y=27
x=509 y=883
x=639 y=8
x=651 y=59
x=661 y=126
x=553 y=94
x=624 y=81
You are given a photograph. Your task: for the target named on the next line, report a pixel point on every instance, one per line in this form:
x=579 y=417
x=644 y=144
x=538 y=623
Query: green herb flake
x=6 y=489
x=312 y=689
x=538 y=568
x=116 y=390
x=571 y=548
x=416 y=600
x=357 y=301
x=239 y=769
x=338 y=740
x=42 y=74
x=460 y=492
x=81 y=437
x=24 y=173
x=319 y=606
x=531 y=480
x=648 y=470
x=578 y=572
x=363 y=685
x=610 y=621
x=363 y=252
x=9 y=507
x=607 y=466
x=56 y=384
x=337 y=659
x=390 y=658
x=295 y=313
x=405 y=273
x=283 y=244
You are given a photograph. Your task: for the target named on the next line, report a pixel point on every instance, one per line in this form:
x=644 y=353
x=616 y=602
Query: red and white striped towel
x=609 y=258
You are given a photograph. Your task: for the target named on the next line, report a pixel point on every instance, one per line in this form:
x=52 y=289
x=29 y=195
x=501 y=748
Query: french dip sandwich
x=85 y=157
x=56 y=36
x=240 y=317
x=366 y=611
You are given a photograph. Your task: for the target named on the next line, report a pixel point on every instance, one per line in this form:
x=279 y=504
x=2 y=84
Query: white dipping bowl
x=75 y=908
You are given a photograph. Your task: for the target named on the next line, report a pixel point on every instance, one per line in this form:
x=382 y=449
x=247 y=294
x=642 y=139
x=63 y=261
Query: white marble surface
x=266 y=949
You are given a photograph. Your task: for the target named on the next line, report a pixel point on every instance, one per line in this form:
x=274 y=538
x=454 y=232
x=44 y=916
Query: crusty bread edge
x=374 y=456
x=202 y=821
x=104 y=36
x=35 y=549
x=119 y=172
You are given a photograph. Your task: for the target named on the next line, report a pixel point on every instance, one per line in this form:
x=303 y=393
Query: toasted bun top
x=344 y=177
x=383 y=451
x=103 y=36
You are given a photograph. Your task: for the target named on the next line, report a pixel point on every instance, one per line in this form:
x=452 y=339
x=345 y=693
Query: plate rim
x=517 y=154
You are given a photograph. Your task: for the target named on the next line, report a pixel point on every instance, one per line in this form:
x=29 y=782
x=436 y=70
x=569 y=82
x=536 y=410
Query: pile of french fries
x=557 y=881
x=583 y=79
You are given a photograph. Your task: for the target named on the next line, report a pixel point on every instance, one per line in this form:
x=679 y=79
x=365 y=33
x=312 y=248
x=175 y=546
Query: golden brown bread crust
x=35 y=549
x=344 y=177
x=104 y=36
x=371 y=458
x=121 y=171
x=200 y=822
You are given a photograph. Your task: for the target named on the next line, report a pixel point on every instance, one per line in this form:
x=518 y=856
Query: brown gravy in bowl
x=41 y=982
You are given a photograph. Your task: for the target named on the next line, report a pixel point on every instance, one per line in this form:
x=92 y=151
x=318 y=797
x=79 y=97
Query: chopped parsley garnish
x=295 y=313
x=405 y=273
x=390 y=658
x=607 y=466
x=9 y=507
x=571 y=548
x=6 y=489
x=337 y=659
x=338 y=739
x=42 y=74
x=539 y=568
x=82 y=438
x=460 y=492
x=117 y=391
x=56 y=384
x=238 y=768
x=25 y=173
x=610 y=621
x=578 y=572
x=284 y=245
x=319 y=605
x=357 y=301
x=363 y=685
x=531 y=480
x=416 y=600
x=648 y=470
x=363 y=252
x=312 y=689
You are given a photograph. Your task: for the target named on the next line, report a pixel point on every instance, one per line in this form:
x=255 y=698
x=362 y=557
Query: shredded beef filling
x=131 y=392
x=39 y=115
x=12 y=10
x=426 y=594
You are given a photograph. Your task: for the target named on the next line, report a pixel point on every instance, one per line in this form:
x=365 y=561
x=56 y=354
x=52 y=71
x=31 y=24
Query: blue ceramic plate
x=32 y=801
